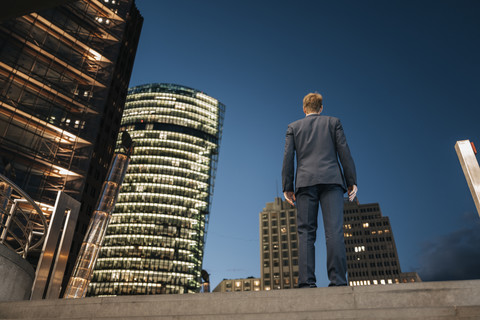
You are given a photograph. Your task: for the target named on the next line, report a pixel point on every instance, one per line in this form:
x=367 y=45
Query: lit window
x=360 y=249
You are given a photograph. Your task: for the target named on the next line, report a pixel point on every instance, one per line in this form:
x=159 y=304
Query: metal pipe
x=78 y=283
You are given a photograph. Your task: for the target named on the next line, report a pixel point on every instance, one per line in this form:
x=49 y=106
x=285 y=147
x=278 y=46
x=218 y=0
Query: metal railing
x=23 y=226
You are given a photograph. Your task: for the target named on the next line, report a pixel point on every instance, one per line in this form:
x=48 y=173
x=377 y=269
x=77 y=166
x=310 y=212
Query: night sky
x=403 y=77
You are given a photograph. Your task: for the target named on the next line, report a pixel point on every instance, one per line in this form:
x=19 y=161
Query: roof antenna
x=276 y=182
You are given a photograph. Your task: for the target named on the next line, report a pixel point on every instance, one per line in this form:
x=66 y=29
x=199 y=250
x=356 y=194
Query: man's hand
x=290 y=197
x=352 y=192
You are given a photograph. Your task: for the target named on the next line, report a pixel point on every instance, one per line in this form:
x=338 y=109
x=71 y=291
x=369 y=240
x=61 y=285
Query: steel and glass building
x=64 y=75
x=154 y=243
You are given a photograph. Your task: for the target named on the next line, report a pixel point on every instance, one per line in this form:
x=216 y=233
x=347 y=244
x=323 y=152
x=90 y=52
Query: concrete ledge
x=365 y=314
x=14 y=258
x=16 y=276
x=427 y=300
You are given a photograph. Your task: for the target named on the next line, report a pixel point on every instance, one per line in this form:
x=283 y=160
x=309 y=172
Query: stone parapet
x=424 y=300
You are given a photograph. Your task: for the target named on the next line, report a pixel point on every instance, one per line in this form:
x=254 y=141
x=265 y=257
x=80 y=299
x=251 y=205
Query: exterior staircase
x=423 y=300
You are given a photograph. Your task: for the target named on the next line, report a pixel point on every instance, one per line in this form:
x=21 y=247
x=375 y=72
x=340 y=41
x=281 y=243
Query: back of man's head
x=312 y=103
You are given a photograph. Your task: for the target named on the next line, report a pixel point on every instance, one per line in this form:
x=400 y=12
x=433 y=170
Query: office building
x=238 y=285
x=154 y=243
x=64 y=76
x=371 y=252
x=278 y=246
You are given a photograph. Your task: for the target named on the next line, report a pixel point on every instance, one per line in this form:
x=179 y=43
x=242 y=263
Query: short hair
x=313 y=102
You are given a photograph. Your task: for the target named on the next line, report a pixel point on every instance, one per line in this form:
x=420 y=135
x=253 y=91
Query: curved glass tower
x=154 y=243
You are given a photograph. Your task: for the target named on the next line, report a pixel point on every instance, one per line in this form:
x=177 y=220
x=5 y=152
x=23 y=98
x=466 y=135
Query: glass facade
x=55 y=67
x=154 y=243
x=59 y=69
x=64 y=76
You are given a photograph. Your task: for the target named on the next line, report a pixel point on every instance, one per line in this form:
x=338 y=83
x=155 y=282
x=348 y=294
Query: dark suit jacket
x=318 y=142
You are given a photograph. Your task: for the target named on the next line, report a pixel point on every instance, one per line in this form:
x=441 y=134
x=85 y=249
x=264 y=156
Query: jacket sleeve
x=288 y=167
x=346 y=159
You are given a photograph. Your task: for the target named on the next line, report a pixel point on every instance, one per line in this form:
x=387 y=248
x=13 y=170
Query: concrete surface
x=427 y=300
x=16 y=276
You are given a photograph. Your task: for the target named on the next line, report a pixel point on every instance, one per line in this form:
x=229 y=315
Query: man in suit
x=318 y=142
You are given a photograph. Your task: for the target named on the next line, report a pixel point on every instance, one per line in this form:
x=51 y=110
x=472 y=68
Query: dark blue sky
x=403 y=76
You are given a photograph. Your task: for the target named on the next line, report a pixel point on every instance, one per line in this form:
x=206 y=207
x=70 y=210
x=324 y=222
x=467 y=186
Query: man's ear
x=321 y=109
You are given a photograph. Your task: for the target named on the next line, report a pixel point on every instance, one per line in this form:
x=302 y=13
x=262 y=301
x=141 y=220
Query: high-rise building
x=371 y=252
x=154 y=243
x=238 y=285
x=64 y=75
x=278 y=246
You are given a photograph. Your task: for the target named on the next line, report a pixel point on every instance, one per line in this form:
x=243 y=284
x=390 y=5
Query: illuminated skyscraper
x=155 y=240
x=371 y=252
x=64 y=75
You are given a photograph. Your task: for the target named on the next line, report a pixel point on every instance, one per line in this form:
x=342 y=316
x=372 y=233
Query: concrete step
x=427 y=300
x=439 y=313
